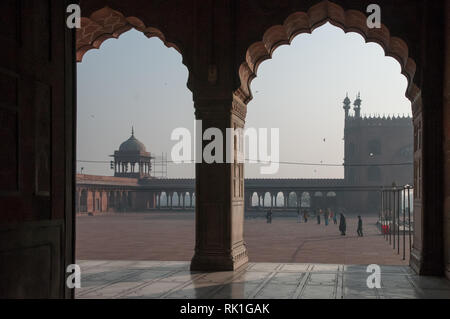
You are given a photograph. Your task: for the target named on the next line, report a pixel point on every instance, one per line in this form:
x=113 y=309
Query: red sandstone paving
x=170 y=236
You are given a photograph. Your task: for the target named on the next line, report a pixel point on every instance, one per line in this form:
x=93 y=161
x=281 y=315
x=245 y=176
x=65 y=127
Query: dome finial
x=132 y=130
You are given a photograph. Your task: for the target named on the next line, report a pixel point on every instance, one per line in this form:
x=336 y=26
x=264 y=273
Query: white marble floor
x=171 y=279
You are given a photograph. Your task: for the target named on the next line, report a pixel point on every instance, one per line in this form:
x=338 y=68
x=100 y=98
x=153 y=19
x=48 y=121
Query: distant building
x=378 y=152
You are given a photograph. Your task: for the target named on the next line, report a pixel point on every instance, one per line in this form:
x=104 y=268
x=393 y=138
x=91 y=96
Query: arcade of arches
x=222 y=43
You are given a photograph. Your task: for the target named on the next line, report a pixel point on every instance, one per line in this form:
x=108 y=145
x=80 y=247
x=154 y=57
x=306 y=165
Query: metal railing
x=396 y=221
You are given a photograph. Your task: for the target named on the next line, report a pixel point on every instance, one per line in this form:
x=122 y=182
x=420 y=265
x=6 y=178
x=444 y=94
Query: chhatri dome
x=132 y=159
x=132 y=144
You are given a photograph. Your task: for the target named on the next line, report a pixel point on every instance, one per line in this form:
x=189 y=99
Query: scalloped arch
x=305 y=22
x=107 y=23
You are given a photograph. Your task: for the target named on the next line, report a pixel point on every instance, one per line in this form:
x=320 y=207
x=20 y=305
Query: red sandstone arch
x=107 y=23
x=305 y=22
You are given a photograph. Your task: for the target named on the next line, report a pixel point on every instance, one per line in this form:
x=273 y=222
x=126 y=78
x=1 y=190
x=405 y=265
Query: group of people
x=327 y=215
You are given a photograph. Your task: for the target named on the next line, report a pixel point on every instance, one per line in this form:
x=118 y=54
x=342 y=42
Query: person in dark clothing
x=305 y=215
x=342 y=224
x=269 y=216
x=318 y=216
x=359 y=230
x=299 y=215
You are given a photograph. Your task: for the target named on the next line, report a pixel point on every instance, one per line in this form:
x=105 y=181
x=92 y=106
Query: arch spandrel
x=305 y=20
x=102 y=20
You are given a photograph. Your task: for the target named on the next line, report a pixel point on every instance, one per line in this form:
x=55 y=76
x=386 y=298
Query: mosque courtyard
x=147 y=256
x=169 y=236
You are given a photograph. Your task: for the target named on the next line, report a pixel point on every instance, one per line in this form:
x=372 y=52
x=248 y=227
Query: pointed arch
x=305 y=22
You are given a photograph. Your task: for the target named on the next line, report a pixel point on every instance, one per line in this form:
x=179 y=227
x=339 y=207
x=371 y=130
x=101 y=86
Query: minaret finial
x=357 y=105
x=132 y=130
x=346 y=105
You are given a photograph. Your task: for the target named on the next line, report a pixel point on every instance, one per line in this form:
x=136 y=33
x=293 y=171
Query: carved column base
x=415 y=260
x=220 y=260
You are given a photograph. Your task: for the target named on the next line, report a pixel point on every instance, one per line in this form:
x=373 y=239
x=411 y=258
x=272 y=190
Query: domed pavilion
x=132 y=159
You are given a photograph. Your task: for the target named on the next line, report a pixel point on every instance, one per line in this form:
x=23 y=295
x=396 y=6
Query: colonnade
x=185 y=200
x=291 y=199
x=94 y=200
x=101 y=200
x=121 y=167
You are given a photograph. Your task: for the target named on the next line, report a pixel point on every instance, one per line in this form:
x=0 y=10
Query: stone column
x=219 y=210
x=446 y=124
x=299 y=199
x=427 y=255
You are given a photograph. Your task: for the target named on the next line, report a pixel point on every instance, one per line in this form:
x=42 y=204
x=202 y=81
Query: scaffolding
x=159 y=164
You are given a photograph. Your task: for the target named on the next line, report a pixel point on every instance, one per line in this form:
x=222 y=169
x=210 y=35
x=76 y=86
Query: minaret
x=357 y=106
x=346 y=105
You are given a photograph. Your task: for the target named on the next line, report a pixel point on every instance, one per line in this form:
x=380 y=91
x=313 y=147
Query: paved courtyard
x=164 y=279
x=169 y=236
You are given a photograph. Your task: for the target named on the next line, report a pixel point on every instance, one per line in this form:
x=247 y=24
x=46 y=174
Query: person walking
x=299 y=215
x=305 y=215
x=342 y=225
x=359 y=230
x=326 y=216
x=318 y=216
x=335 y=219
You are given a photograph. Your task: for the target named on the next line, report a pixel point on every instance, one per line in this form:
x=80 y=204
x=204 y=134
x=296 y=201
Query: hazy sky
x=138 y=81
